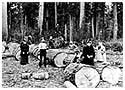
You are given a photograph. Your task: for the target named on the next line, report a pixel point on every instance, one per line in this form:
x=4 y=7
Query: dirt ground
x=11 y=74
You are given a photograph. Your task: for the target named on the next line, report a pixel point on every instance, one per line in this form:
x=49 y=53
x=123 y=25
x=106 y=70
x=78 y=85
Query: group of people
x=25 y=52
x=88 y=53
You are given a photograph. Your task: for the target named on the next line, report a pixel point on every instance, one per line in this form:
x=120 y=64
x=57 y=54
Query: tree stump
x=111 y=74
x=81 y=75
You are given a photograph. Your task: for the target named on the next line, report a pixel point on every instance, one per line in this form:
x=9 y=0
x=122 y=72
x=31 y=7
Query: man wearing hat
x=42 y=47
x=24 y=52
x=88 y=54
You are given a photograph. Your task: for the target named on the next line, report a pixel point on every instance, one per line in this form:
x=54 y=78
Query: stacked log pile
x=86 y=76
x=61 y=58
x=14 y=50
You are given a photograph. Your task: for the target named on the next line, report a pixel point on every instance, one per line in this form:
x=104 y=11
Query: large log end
x=87 y=77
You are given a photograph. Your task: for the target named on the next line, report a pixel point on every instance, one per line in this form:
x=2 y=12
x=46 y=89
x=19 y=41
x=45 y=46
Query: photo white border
x=60 y=1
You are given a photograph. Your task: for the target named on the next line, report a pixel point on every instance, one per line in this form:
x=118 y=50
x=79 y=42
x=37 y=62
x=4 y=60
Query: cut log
x=59 y=58
x=3 y=46
x=3 y=49
x=87 y=77
x=31 y=48
x=4 y=43
x=4 y=55
x=63 y=59
x=18 y=57
x=12 y=47
x=26 y=75
x=68 y=84
x=83 y=76
x=41 y=75
x=111 y=74
x=34 y=50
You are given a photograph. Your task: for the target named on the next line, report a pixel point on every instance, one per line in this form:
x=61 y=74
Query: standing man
x=42 y=47
x=24 y=53
x=88 y=53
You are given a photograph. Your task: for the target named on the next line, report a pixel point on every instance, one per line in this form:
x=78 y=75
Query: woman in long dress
x=88 y=54
x=24 y=53
x=101 y=53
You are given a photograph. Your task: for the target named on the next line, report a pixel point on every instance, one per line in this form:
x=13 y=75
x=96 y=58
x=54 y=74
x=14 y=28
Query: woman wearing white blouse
x=101 y=53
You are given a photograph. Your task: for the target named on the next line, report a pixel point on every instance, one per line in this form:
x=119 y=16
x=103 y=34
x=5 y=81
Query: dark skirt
x=88 y=61
x=24 y=59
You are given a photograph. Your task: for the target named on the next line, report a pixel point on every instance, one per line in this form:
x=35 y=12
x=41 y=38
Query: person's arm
x=39 y=46
x=83 y=52
x=93 y=52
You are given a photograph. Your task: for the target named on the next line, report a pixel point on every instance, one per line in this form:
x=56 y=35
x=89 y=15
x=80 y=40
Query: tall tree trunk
x=47 y=19
x=4 y=19
x=55 y=14
x=97 y=23
x=115 y=22
x=93 y=27
x=41 y=13
x=71 y=28
x=82 y=11
x=25 y=19
x=94 y=16
x=65 y=32
x=103 y=30
x=92 y=23
x=21 y=23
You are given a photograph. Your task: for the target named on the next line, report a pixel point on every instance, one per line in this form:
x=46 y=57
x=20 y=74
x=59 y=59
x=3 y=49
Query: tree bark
x=93 y=27
x=71 y=28
x=21 y=23
x=65 y=32
x=4 y=19
x=82 y=9
x=97 y=23
x=41 y=13
x=115 y=22
x=55 y=14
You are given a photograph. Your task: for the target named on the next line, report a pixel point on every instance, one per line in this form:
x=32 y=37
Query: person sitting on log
x=42 y=47
x=24 y=52
x=88 y=54
x=101 y=53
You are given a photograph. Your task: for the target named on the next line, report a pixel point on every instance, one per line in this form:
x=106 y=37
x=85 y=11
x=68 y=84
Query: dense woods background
x=74 y=21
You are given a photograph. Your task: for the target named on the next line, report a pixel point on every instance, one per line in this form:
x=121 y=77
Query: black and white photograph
x=62 y=44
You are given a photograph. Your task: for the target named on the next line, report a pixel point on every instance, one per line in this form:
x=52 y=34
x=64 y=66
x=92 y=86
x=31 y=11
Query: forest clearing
x=62 y=44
